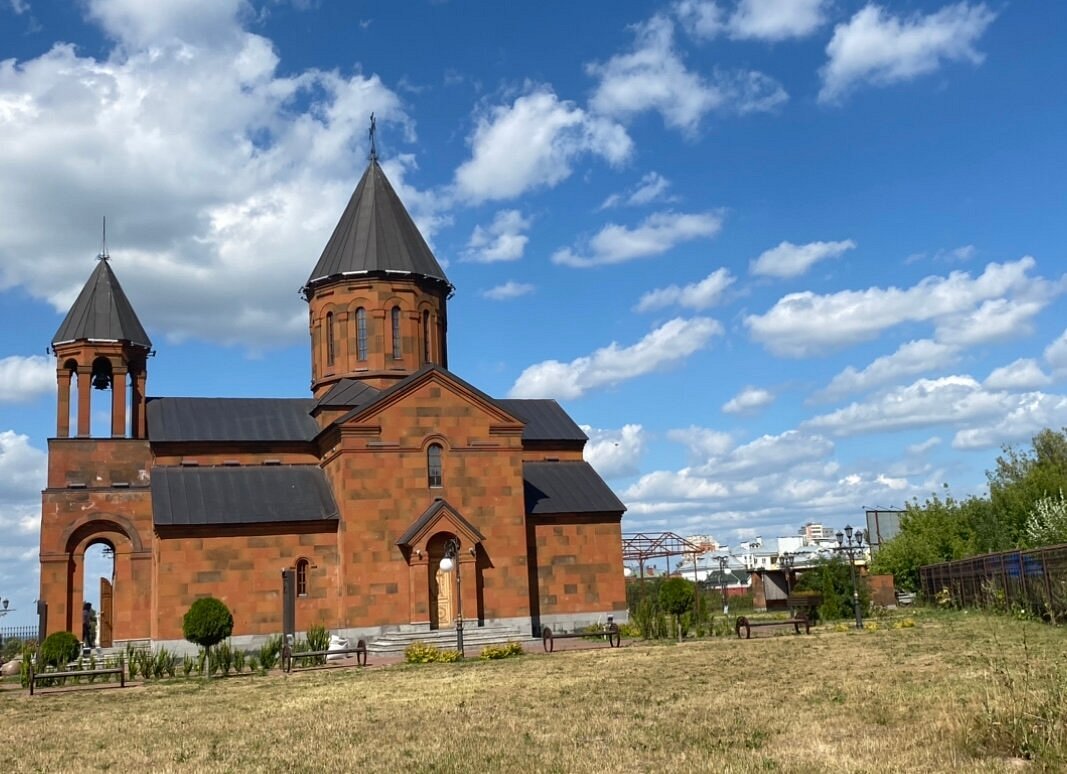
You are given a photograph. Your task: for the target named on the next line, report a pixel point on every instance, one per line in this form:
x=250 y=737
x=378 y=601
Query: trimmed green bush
x=507 y=650
x=59 y=649
x=421 y=653
x=208 y=622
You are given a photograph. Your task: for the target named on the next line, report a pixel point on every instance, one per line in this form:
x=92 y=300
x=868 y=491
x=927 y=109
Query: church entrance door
x=441 y=593
x=106 y=607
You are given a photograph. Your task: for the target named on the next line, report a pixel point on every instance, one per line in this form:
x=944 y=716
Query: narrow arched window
x=302 y=578
x=426 y=336
x=397 y=351
x=329 y=338
x=361 y=334
x=433 y=465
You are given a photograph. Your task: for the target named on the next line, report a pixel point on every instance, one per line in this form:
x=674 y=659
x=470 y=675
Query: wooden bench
x=548 y=637
x=288 y=656
x=796 y=622
x=119 y=670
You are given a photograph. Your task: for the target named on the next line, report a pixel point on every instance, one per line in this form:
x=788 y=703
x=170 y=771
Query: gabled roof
x=566 y=487
x=440 y=510
x=545 y=420
x=241 y=495
x=231 y=419
x=102 y=312
x=348 y=393
x=376 y=235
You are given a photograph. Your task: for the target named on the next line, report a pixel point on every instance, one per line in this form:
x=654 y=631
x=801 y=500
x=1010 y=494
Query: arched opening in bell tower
x=98 y=583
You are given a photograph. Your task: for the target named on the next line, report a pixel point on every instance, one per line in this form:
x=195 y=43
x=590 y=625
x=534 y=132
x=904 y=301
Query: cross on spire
x=373 y=144
x=103 y=244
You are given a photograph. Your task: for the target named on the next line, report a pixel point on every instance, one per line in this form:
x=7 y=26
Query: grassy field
x=958 y=692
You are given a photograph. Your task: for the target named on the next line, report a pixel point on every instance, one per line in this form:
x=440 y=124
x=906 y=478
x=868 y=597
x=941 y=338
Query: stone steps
x=473 y=637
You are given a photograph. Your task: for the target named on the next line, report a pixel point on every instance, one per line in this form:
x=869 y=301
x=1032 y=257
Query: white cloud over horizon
x=790 y=260
x=502 y=240
x=878 y=48
x=698 y=295
x=748 y=401
x=656 y=234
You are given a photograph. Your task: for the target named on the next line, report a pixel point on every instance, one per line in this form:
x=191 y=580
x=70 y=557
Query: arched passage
x=105 y=568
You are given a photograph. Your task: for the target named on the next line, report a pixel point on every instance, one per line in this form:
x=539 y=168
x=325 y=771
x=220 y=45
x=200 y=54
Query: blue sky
x=784 y=260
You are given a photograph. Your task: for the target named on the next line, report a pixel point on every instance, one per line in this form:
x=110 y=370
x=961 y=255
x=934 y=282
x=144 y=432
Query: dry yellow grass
x=892 y=700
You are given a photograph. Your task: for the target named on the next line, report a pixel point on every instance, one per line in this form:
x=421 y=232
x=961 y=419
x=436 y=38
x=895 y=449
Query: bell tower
x=101 y=346
x=377 y=296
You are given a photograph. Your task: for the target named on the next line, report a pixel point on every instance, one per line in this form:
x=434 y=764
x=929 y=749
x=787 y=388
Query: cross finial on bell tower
x=373 y=144
x=103 y=244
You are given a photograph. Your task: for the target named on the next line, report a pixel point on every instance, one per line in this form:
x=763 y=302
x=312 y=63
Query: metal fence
x=1033 y=580
x=22 y=633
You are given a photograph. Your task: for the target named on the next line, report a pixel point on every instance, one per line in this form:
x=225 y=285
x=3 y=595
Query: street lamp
x=723 y=562
x=450 y=560
x=4 y=603
x=851 y=547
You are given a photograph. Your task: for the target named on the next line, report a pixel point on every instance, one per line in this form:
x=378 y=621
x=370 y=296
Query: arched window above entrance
x=433 y=465
x=302 y=577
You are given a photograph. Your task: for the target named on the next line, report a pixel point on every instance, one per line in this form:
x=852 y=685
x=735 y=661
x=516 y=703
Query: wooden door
x=104 y=618
x=442 y=588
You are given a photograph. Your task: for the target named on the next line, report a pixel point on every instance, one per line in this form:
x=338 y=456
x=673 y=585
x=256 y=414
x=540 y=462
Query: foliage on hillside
x=1025 y=509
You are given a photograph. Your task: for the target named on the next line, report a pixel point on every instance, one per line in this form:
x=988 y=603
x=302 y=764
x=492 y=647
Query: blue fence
x=17 y=633
x=1034 y=580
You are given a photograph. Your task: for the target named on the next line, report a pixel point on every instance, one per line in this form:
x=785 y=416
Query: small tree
x=59 y=649
x=207 y=623
x=676 y=598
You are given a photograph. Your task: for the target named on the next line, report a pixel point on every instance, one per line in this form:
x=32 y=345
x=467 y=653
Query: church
x=359 y=489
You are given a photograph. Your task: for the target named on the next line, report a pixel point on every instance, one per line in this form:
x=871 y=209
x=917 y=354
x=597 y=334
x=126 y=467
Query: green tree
x=832 y=579
x=676 y=598
x=1047 y=523
x=207 y=623
x=1024 y=476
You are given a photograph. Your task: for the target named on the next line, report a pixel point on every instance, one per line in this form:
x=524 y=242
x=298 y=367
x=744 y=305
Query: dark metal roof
x=376 y=234
x=567 y=487
x=545 y=420
x=347 y=393
x=231 y=419
x=428 y=515
x=102 y=311
x=244 y=495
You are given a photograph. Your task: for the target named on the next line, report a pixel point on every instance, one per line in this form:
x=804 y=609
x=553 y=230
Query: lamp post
x=723 y=562
x=4 y=604
x=786 y=563
x=450 y=560
x=851 y=544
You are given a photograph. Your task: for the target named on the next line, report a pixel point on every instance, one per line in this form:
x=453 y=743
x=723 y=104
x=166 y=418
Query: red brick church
x=356 y=488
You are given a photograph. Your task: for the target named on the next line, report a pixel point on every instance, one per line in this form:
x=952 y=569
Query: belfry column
x=63 y=405
x=138 y=427
x=85 y=378
x=118 y=402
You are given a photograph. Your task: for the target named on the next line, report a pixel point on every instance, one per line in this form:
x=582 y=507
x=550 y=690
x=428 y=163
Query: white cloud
x=656 y=234
x=702 y=442
x=23 y=379
x=994 y=320
x=1022 y=374
x=614 y=453
x=653 y=77
x=1056 y=355
x=877 y=48
x=532 y=143
x=749 y=401
x=790 y=260
x=700 y=18
x=663 y=348
x=22 y=477
x=802 y=324
x=508 y=290
x=911 y=358
x=22 y=468
x=919 y=449
x=651 y=188
x=222 y=165
x=19 y=7
x=776 y=19
x=502 y=240
x=698 y=295
x=982 y=416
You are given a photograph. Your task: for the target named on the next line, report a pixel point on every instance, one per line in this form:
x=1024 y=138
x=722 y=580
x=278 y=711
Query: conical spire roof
x=102 y=312
x=376 y=234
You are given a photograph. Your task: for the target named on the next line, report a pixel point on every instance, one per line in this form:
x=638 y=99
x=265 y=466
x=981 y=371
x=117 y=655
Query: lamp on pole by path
x=449 y=561
x=4 y=605
x=852 y=544
x=723 y=562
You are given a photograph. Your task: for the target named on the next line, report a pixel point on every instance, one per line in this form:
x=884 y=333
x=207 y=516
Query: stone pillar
x=85 y=379
x=118 y=403
x=63 y=404
x=138 y=426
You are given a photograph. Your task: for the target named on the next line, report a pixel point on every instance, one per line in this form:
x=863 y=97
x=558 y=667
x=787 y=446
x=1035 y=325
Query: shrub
x=253 y=663
x=493 y=652
x=421 y=653
x=676 y=597
x=318 y=638
x=208 y=622
x=269 y=651
x=59 y=649
x=239 y=660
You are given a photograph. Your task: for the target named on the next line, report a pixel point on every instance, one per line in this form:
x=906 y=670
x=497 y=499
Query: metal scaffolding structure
x=641 y=546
